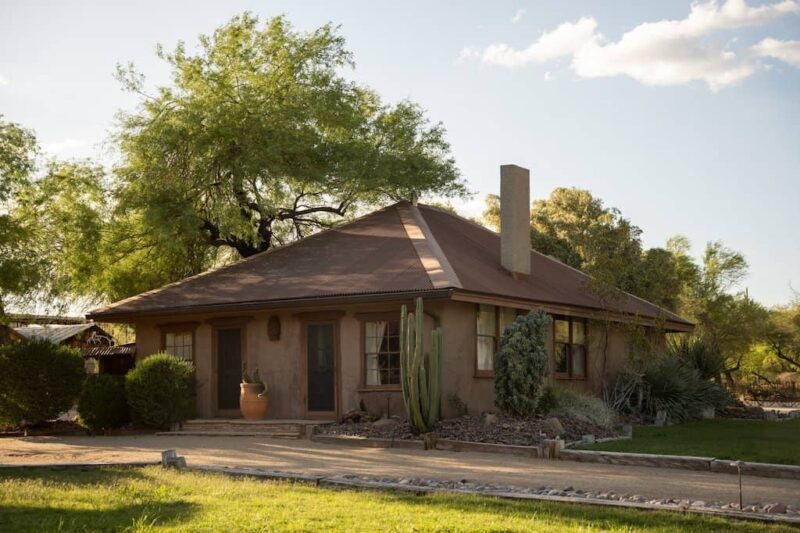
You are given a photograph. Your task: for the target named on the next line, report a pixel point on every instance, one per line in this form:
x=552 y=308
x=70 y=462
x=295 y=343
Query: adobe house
x=319 y=317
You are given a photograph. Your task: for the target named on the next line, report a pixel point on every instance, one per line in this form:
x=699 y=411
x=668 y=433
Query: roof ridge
x=433 y=259
x=243 y=260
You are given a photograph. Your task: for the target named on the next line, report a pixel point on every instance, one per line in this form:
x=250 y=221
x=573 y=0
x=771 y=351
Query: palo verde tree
x=259 y=139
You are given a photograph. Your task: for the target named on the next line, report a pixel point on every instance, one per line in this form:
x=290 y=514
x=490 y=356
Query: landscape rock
x=490 y=419
x=553 y=426
x=775 y=508
x=385 y=423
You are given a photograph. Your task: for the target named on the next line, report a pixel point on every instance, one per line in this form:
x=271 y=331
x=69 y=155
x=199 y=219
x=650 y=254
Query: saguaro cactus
x=420 y=371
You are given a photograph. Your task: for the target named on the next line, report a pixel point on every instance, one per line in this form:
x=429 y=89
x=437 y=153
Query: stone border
x=369 y=442
x=638 y=459
x=355 y=482
x=684 y=462
x=542 y=451
x=486 y=447
x=550 y=450
x=79 y=466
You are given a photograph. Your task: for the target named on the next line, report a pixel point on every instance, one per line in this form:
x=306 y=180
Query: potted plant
x=253 y=399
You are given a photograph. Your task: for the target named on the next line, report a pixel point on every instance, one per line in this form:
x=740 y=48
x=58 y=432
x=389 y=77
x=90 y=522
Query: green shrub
x=678 y=389
x=666 y=383
x=703 y=357
x=103 y=404
x=521 y=364
x=38 y=381
x=160 y=391
x=547 y=401
x=560 y=401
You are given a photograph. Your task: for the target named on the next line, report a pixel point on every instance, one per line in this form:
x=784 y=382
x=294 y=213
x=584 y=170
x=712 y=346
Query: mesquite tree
x=260 y=139
x=521 y=364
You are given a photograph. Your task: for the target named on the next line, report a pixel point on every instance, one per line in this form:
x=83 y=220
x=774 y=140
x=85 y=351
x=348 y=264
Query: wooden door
x=321 y=381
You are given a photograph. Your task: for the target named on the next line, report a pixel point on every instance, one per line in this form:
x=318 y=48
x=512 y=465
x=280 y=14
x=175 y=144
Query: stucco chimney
x=515 y=220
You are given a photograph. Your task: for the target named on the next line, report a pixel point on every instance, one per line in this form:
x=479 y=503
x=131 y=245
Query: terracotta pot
x=252 y=403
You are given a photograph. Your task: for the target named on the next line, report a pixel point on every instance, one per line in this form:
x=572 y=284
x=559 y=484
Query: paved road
x=311 y=457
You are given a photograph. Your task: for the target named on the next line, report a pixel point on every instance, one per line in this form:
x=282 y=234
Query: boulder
x=775 y=508
x=553 y=426
x=385 y=423
x=490 y=419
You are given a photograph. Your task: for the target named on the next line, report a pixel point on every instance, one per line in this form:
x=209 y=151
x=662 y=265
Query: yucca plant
x=700 y=355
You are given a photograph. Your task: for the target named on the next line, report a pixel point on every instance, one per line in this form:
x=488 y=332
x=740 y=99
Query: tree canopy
x=19 y=269
x=259 y=139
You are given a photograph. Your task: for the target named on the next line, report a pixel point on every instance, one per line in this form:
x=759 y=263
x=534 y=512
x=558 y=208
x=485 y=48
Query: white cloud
x=518 y=16
x=3 y=81
x=67 y=146
x=666 y=52
x=548 y=76
x=565 y=40
x=786 y=51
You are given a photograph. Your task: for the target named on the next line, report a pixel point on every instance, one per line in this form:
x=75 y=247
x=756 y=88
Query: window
x=382 y=353
x=569 y=347
x=492 y=321
x=179 y=344
x=486 y=337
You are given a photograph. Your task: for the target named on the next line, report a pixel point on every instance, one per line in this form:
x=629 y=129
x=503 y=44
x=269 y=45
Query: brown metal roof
x=401 y=249
x=58 y=333
x=474 y=253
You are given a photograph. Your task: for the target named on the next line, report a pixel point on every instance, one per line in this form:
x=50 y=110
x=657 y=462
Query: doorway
x=321 y=369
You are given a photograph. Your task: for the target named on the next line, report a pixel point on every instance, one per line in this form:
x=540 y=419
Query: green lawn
x=746 y=440
x=151 y=499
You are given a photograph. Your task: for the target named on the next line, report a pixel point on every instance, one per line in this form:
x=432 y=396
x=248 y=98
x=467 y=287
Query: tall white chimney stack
x=515 y=220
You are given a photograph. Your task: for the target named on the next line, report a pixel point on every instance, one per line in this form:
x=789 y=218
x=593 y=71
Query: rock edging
x=554 y=449
x=772 y=512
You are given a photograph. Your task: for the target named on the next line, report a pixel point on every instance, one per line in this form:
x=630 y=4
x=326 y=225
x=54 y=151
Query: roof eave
x=670 y=326
x=131 y=316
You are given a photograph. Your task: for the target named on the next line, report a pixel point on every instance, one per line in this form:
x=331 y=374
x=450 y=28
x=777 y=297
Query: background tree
x=19 y=268
x=64 y=211
x=257 y=140
x=783 y=336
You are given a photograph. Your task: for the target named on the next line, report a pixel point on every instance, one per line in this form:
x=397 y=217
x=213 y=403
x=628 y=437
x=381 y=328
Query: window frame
x=363 y=319
x=179 y=329
x=569 y=375
x=498 y=336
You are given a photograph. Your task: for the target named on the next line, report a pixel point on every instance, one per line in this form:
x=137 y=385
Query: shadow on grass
x=138 y=516
x=74 y=476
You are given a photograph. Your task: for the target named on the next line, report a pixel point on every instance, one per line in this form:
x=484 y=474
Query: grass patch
x=152 y=499
x=747 y=440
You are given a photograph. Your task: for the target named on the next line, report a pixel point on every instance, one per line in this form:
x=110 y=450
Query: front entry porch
x=238 y=427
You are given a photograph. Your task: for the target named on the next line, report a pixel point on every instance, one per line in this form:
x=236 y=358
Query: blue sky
x=687 y=118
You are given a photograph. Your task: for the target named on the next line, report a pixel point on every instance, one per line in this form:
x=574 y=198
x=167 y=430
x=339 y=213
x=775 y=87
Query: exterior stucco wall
x=281 y=362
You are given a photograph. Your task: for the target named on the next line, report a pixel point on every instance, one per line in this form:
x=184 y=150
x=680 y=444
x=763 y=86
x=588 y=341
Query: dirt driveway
x=310 y=457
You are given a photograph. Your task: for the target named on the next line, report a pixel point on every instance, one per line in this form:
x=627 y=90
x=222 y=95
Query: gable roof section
x=474 y=252
x=402 y=249
x=370 y=255
x=57 y=333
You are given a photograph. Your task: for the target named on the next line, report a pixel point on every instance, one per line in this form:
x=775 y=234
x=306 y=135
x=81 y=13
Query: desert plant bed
x=531 y=431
